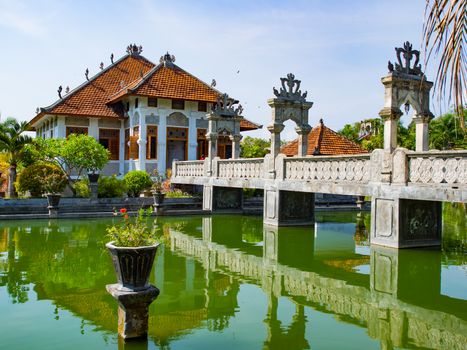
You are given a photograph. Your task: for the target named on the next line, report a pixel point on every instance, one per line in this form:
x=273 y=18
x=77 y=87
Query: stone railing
x=244 y=168
x=355 y=168
x=188 y=168
x=437 y=167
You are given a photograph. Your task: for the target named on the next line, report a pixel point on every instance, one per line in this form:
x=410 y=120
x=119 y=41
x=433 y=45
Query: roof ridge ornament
x=404 y=66
x=291 y=91
x=167 y=59
x=134 y=50
x=225 y=106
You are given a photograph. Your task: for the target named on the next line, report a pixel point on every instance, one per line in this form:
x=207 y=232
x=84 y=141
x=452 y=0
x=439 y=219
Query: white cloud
x=19 y=16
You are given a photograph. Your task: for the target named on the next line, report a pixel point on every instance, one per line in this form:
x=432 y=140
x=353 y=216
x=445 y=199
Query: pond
x=228 y=283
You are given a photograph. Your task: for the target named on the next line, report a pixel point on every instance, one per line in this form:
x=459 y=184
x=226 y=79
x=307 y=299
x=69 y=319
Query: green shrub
x=110 y=187
x=177 y=194
x=31 y=178
x=137 y=181
x=82 y=189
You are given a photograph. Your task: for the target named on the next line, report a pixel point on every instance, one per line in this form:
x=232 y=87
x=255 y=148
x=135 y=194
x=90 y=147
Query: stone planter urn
x=53 y=200
x=93 y=177
x=132 y=266
x=158 y=197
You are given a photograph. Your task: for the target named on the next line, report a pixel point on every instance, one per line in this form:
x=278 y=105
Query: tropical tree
x=13 y=142
x=445 y=34
x=254 y=147
x=75 y=155
x=446 y=133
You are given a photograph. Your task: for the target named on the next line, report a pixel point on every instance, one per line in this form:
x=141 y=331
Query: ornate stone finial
x=59 y=91
x=134 y=50
x=112 y=58
x=405 y=67
x=213 y=82
x=167 y=60
x=321 y=121
x=291 y=91
x=101 y=66
x=225 y=106
x=86 y=73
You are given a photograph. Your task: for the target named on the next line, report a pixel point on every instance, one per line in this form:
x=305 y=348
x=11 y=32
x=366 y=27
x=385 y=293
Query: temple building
x=323 y=141
x=145 y=114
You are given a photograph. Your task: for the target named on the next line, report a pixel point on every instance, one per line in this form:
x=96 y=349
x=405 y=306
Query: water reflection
x=207 y=263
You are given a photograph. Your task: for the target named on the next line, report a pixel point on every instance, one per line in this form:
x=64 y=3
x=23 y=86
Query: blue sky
x=338 y=49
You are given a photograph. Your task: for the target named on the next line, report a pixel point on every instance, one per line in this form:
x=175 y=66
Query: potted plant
x=53 y=184
x=133 y=247
x=158 y=188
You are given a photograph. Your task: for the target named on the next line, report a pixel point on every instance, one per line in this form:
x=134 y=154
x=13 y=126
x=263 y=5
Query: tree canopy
x=13 y=142
x=254 y=147
x=445 y=133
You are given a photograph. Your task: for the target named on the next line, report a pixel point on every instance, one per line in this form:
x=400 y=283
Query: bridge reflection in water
x=207 y=265
x=399 y=301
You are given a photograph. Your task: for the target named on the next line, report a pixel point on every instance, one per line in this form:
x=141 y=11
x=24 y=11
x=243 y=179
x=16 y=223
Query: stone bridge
x=380 y=307
x=406 y=187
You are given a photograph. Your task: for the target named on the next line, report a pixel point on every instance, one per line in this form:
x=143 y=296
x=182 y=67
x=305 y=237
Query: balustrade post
x=400 y=166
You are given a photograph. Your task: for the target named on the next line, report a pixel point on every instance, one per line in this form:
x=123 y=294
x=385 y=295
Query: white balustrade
x=437 y=167
x=251 y=168
x=355 y=168
x=189 y=168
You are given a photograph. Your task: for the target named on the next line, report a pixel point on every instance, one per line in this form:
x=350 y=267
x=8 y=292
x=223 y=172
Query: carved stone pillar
x=390 y=117
x=405 y=223
x=133 y=310
x=212 y=144
x=421 y=132
x=235 y=145
x=287 y=208
x=275 y=130
x=303 y=132
x=222 y=198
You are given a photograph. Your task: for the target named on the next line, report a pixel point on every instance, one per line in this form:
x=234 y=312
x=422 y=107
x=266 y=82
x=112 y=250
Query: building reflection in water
x=201 y=268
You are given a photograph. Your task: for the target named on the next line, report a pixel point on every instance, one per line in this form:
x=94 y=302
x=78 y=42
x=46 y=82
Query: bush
x=31 y=178
x=137 y=181
x=82 y=189
x=177 y=194
x=110 y=187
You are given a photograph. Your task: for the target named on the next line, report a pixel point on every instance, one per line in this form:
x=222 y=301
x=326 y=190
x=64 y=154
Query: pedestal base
x=53 y=212
x=133 y=310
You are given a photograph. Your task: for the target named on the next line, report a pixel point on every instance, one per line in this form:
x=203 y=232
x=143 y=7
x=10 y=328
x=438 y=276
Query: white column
x=121 y=153
x=192 y=138
x=421 y=133
x=142 y=143
x=94 y=128
x=162 y=142
x=61 y=127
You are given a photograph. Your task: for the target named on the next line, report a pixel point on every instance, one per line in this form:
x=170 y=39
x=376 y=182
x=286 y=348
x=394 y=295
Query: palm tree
x=13 y=142
x=445 y=33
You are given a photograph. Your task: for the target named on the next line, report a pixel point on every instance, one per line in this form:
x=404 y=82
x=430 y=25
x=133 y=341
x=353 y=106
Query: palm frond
x=445 y=35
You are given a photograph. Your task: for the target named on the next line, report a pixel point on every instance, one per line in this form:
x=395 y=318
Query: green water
x=227 y=283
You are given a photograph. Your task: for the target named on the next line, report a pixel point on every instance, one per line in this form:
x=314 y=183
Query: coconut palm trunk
x=11 y=193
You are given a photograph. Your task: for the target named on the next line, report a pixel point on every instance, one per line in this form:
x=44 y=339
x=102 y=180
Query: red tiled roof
x=247 y=125
x=169 y=82
x=133 y=75
x=90 y=98
x=324 y=141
